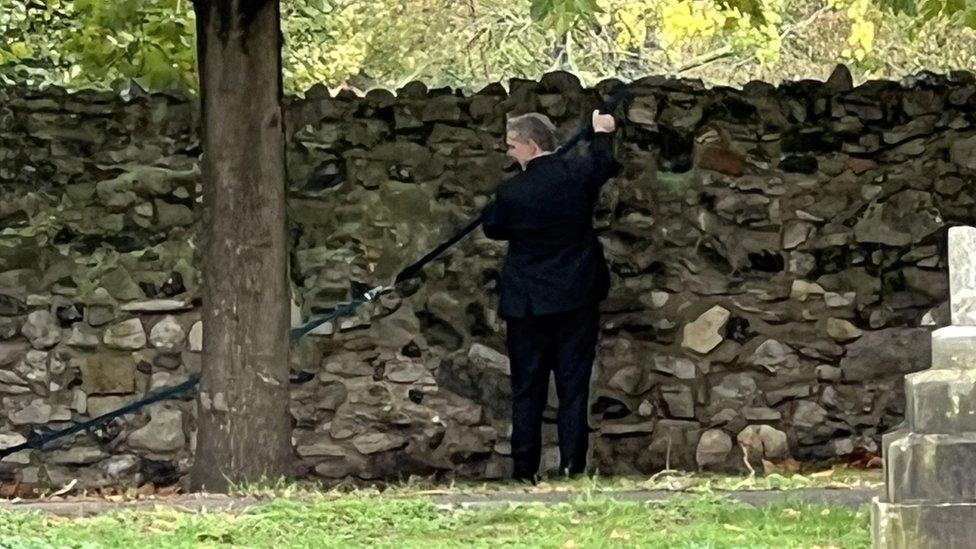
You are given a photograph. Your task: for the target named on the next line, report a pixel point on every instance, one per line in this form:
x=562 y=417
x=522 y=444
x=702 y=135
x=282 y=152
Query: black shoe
x=572 y=472
x=526 y=479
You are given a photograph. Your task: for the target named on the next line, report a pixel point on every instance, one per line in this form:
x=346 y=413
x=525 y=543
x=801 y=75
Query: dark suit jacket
x=555 y=262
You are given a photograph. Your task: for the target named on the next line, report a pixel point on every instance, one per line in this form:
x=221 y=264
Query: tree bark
x=244 y=430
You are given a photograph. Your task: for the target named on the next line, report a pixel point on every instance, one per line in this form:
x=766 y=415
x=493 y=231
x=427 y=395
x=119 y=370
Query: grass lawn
x=368 y=520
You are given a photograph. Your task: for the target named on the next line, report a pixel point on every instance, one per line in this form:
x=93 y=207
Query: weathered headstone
x=930 y=461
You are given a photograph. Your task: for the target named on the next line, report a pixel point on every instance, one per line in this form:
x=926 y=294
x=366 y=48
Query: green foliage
x=960 y=11
x=337 y=40
x=98 y=43
x=469 y=43
x=564 y=14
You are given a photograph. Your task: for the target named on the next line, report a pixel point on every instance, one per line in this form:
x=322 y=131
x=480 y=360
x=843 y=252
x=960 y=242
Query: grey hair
x=536 y=127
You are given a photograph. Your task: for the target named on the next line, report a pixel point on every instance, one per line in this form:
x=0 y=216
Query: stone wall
x=778 y=259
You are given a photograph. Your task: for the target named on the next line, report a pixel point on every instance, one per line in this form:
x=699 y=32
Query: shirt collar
x=539 y=160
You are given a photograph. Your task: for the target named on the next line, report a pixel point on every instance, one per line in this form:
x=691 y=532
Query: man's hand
x=603 y=122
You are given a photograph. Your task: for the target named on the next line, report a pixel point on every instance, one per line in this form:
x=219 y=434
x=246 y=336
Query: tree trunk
x=244 y=430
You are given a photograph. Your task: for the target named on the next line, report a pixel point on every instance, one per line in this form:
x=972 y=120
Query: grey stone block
x=962 y=271
x=932 y=468
x=941 y=401
x=887 y=438
x=923 y=526
x=954 y=347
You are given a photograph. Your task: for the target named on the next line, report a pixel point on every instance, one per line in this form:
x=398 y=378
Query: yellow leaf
x=791 y=513
x=732 y=528
x=618 y=535
x=20 y=50
x=570 y=544
x=822 y=474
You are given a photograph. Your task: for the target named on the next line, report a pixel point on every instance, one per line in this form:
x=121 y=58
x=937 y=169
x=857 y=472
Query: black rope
x=414 y=270
x=339 y=312
x=411 y=271
x=609 y=106
x=37 y=441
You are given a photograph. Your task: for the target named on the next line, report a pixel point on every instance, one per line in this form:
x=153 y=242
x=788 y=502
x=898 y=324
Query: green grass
x=684 y=521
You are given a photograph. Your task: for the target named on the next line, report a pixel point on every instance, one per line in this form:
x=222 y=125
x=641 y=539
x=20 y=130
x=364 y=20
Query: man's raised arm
x=598 y=164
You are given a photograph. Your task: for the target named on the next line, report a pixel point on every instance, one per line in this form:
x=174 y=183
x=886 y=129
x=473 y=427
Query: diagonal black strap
x=38 y=441
x=587 y=132
x=339 y=312
x=617 y=97
x=411 y=271
x=414 y=269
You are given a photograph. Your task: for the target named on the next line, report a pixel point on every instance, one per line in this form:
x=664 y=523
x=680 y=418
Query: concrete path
x=193 y=503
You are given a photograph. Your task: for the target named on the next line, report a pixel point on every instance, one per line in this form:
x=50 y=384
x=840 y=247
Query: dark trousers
x=564 y=343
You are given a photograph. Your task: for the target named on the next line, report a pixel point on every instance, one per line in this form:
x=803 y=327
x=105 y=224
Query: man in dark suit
x=552 y=283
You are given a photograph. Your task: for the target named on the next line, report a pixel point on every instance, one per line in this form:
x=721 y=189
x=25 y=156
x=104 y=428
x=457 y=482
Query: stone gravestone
x=930 y=461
